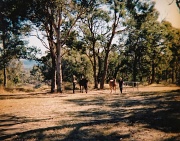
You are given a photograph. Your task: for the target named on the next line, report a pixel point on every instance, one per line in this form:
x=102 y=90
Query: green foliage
x=85 y=33
x=45 y=67
x=14 y=72
x=36 y=74
x=73 y=63
x=173 y=45
x=78 y=65
x=12 y=27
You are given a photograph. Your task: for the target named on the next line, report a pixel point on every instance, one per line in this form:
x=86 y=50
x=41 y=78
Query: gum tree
x=116 y=10
x=93 y=27
x=12 y=29
x=57 y=19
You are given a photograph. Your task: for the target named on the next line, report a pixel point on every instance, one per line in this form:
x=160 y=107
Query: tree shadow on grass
x=9 y=120
x=76 y=132
x=159 y=111
x=30 y=95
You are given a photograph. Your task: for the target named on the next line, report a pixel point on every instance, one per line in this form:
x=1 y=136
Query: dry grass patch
x=98 y=115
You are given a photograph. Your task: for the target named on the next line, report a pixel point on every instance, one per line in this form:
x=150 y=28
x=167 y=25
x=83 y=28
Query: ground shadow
x=155 y=110
x=31 y=95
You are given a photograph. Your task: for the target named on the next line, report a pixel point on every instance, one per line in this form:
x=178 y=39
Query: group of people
x=83 y=84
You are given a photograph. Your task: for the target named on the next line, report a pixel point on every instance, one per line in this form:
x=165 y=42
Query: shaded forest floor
x=151 y=113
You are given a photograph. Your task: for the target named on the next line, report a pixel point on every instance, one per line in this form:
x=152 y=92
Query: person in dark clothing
x=74 y=83
x=83 y=84
x=120 y=84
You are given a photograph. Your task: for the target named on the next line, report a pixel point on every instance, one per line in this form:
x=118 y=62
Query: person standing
x=74 y=83
x=120 y=84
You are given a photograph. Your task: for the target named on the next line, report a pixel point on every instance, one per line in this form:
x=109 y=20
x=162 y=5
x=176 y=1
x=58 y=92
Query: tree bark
x=49 y=31
x=53 y=74
x=108 y=47
x=105 y=70
x=59 y=54
x=59 y=69
x=94 y=67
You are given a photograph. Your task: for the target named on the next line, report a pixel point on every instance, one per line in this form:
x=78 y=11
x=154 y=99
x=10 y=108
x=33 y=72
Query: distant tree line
x=98 y=39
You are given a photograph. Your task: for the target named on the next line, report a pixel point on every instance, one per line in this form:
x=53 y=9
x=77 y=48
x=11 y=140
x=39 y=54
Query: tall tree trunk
x=53 y=74
x=99 y=70
x=49 y=32
x=108 y=47
x=59 y=70
x=107 y=50
x=105 y=70
x=94 y=67
x=59 y=53
x=59 y=65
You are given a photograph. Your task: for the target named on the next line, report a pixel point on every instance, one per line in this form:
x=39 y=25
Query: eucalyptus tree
x=92 y=27
x=157 y=42
x=176 y=57
x=116 y=10
x=58 y=19
x=158 y=49
x=144 y=39
x=121 y=12
x=175 y=48
x=173 y=44
x=12 y=28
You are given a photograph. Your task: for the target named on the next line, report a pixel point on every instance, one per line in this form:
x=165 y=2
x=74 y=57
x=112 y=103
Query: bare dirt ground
x=151 y=113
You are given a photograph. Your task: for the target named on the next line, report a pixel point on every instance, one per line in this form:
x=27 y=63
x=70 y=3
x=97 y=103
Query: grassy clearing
x=96 y=116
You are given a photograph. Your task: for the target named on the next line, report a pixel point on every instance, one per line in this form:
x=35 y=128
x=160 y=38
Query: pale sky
x=168 y=12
